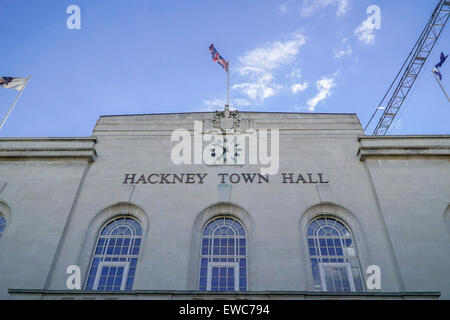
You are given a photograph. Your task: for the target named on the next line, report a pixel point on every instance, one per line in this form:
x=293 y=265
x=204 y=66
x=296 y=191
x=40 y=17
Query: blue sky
x=148 y=56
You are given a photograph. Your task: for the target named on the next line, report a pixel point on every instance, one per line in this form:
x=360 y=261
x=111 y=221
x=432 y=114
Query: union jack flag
x=13 y=83
x=5 y=80
x=218 y=58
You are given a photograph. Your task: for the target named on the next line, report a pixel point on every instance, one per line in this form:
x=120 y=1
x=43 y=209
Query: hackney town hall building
x=225 y=205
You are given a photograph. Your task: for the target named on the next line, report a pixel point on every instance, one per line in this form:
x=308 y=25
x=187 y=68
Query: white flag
x=13 y=83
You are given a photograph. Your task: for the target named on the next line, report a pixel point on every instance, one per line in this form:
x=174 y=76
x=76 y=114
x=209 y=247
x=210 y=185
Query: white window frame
x=326 y=265
x=211 y=265
x=103 y=264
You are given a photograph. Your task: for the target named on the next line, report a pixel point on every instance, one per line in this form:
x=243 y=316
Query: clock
x=222 y=152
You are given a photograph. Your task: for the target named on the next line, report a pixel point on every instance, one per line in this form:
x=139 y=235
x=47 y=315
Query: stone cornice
x=172 y=294
x=403 y=146
x=48 y=148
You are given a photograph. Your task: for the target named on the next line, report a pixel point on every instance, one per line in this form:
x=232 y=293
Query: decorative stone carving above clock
x=226 y=120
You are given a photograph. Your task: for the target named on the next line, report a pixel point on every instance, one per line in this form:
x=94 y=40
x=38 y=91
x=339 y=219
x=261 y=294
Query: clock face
x=225 y=150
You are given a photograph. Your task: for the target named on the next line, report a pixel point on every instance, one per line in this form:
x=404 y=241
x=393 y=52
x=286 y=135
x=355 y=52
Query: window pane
x=118 y=245
x=228 y=240
x=330 y=241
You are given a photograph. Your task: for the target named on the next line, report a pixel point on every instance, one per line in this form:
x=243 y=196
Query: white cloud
x=258 y=66
x=299 y=87
x=310 y=7
x=298 y=108
x=213 y=105
x=241 y=102
x=343 y=7
x=296 y=74
x=272 y=56
x=366 y=31
x=219 y=104
x=345 y=50
x=259 y=89
x=324 y=86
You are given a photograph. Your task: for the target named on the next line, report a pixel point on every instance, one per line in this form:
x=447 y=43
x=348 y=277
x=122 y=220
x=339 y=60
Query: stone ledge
x=48 y=148
x=367 y=152
x=403 y=146
x=155 y=123
x=198 y=295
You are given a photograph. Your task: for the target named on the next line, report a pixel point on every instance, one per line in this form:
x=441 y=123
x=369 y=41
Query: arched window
x=2 y=224
x=223 y=256
x=115 y=257
x=334 y=260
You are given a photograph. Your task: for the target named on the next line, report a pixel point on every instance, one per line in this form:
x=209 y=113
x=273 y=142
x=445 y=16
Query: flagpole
x=228 y=86
x=440 y=84
x=14 y=104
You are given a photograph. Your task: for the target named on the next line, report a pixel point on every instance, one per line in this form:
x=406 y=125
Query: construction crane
x=414 y=64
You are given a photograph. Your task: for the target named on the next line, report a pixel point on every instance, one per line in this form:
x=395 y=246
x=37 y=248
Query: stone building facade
x=142 y=218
